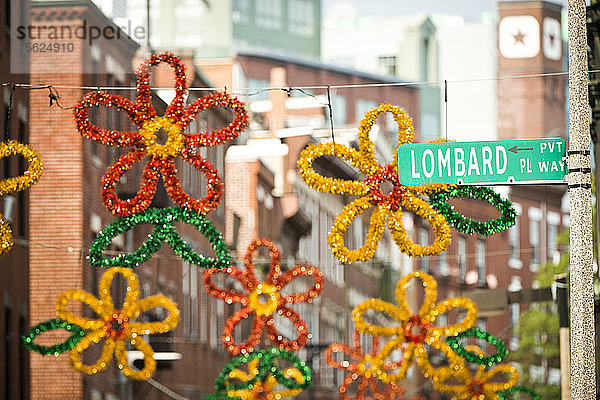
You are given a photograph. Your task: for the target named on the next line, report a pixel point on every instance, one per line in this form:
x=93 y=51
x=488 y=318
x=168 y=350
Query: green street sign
x=484 y=162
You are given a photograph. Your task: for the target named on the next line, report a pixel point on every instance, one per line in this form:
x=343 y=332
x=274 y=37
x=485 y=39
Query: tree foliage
x=539 y=351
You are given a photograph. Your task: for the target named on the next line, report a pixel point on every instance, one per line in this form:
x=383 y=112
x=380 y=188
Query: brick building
x=67 y=213
x=14 y=285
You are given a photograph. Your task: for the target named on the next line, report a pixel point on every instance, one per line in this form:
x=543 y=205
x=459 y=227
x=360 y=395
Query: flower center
x=368 y=367
x=264 y=299
x=416 y=329
x=150 y=138
x=476 y=387
x=116 y=326
x=392 y=199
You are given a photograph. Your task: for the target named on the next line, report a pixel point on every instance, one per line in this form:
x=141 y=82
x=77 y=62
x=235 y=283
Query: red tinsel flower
x=263 y=300
x=144 y=141
x=358 y=364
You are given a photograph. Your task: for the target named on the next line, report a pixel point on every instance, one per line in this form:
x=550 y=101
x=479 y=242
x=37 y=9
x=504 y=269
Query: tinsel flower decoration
x=263 y=376
x=483 y=384
x=478 y=357
x=53 y=324
x=164 y=231
x=145 y=141
x=276 y=302
x=507 y=394
x=16 y=184
x=439 y=201
x=115 y=326
x=358 y=365
x=387 y=207
x=414 y=331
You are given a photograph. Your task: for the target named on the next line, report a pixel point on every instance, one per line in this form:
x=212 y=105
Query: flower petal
x=149 y=361
x=437 y=374
x=147 y=190
x=6 y=238
x=406 y=131
x=429 y=296
x=230 y=132
x=143 y=94
x=360 y=390
x=390 y=311
x=298 y=271
x=420 y=207
x=343 y=221
x=332 y=185
x=277 y=338
x=100 y=308
x=29 y=176
x=228 y=295
x=451 y=330
x=87 y=341
x=146 y=328
x=348 y=353
x=180 y=197
x=132 y=292
x=497 y=384
x=401 y=367
x=255 y=333
x=274 y=268
x=110 y=137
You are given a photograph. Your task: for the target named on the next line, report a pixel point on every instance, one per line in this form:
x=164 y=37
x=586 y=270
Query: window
x=241 y=11
x=480 y=261
x=513 y=240
x=301 y=18
x=362 y=107
x=553 y=222
x=269 y=14
x=514 y=321
x=462 y=259
x=8 y=362
x=535 y=215
x=443 y=267
x=204 y=314
x=338 y=105
x=482 y=325
x=254 y=85
x=387 y=64
x=190 y=300
x=424 y=240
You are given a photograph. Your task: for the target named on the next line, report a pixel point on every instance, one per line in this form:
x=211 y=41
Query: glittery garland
x=357 y=363
x=439 y=201
x=16 y=184
x=116 y=326
x=263 y=313
x=518 y=389
x=414 y=330
x=144 y=141
x=484 y=384
x=262 y=376
x=30 y=176
x=164 y=231
x=76 y=335
x=386 y=207
x=478 y=358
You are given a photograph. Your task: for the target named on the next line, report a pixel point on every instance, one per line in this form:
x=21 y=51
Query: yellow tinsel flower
x=263 y=390
x=388 y=207
x=414 y=331
x=16 y=184
x=483 y=385
x=116 y=326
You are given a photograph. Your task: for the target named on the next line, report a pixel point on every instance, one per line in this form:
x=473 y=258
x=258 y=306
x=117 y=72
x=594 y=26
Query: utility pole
x=593 y=40
x=583 y=377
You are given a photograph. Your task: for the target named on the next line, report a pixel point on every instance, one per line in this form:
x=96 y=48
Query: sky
x=470 y=9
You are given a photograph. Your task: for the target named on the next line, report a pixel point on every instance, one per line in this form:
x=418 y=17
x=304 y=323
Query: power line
x=242 y=91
